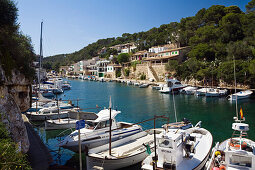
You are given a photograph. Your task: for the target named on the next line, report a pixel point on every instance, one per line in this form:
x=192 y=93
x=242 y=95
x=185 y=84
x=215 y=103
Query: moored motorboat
x=240 y=95
x=202 y=91
x=172 y=85
x=189 y=90
x=96 y=132
x=216 y=92
x=124 y=152
x=144 y=85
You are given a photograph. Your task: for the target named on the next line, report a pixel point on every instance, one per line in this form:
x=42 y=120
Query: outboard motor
x=169 y=166
x=185 y=120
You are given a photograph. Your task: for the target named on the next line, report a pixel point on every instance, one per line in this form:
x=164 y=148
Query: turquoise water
x=138 y=104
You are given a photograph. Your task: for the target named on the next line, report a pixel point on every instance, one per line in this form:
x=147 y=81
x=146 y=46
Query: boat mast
x=235 y=85
x=40 y=57
x=110 y=133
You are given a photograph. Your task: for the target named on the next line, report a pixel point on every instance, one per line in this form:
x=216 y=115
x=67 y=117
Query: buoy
x=216 y=168
x=217 y=153
x=222 y=167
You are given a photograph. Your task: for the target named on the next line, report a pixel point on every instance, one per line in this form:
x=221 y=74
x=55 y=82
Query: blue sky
x=70 y=25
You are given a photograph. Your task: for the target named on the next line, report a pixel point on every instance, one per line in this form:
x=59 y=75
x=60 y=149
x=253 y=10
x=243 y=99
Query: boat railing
x=212 y=156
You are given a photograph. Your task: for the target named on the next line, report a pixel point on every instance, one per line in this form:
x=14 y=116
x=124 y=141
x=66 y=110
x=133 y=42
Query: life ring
x=222 y=167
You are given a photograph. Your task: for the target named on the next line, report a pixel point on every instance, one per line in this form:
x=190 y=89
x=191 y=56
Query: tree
x=123 y=57
x=250 y=7
x=171 y=65
x=202 y=51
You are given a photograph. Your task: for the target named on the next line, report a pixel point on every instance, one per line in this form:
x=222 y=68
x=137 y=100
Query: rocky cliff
x=15 y=91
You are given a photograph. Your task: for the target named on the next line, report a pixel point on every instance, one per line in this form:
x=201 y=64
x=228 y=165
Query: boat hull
x=34 y=116
x=54 y=126
x=111 y=164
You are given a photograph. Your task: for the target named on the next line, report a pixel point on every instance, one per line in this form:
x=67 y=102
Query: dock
x=38 y=154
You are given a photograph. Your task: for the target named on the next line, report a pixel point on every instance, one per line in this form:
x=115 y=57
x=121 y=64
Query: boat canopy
x=104 y=115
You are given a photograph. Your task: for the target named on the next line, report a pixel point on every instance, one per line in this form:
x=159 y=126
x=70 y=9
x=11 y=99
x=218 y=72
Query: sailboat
x=237 y=152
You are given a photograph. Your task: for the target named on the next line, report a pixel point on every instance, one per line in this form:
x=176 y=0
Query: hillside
x=215 y=35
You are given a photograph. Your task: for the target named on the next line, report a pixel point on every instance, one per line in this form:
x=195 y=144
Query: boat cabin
x=170 y=150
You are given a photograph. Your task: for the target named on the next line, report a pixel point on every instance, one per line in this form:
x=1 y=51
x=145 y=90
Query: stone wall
x=15 y=95
x=160 y=70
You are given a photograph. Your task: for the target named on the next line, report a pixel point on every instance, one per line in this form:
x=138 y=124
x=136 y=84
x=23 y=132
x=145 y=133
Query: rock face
x=15 y=94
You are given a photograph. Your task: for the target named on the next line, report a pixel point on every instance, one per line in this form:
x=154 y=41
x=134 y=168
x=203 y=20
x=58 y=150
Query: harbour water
x=138 y=104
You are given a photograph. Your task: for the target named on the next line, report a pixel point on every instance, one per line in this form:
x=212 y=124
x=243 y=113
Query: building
x=102 y=67
x=112 y=70
x=140 y=55
x=125 y=48
x=164 y=56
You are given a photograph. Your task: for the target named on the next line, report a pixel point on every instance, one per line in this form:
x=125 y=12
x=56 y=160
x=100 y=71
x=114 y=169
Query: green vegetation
x=214 y=36
x=16 y=50
x=126 y=71
x=118 y=73
x=123 y=58
x=11 y=158
x=143 y=76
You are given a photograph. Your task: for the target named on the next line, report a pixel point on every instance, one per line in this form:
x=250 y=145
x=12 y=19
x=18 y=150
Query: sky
x=70 y=25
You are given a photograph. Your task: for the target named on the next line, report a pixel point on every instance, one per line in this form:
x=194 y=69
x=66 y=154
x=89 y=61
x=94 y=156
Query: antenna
x=235 y=84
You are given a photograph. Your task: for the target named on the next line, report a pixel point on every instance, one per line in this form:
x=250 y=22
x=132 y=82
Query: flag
x=241 y=113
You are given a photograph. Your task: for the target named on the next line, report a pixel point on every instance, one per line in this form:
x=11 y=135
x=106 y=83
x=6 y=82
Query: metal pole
x=235 y=84
x=110 y=133
x=155 y=146
x=79 y=133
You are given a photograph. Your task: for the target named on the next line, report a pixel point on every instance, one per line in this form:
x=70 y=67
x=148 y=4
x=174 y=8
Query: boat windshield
x=91 y=125
x=243 y=161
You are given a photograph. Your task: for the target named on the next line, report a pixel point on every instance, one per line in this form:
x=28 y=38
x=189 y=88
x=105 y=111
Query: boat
x=129 y=82
x=136 y=84
x=216 y=92
x=189 y=90
x=158 y=87
x=240 y=95
x=96 y=132
x=171 y=85
x=237 y=152
x=144 y=85
x=202 y=91
x=50 y=104
x=124 y=152
x=180 y=146
x=70 y=122
x=48 y=113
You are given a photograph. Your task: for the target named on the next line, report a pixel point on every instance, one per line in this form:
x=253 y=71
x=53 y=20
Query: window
x=165 y=143
x=240 y=160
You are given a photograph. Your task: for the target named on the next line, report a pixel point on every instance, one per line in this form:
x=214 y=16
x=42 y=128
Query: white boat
x=70 y=122
x=129 y=82
x=96 y=132
x=136 y=84
x=171 y=85
x=48 y=113
x=158 y=87
x=237 y=152
x=51 y=104
x=216 y=92
x=180 y=147
x=240 y=95
x=124 y=152
x=189 y=90
x=144 y=85
x=202 y=91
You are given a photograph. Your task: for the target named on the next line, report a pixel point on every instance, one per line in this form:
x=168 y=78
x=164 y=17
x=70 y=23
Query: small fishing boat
x=180 y=146
x=158 y=87
x=144 y=85
x=136 y=84
x=96 y=132
x=216 y=92
x=240 y=95
x=237 y=152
